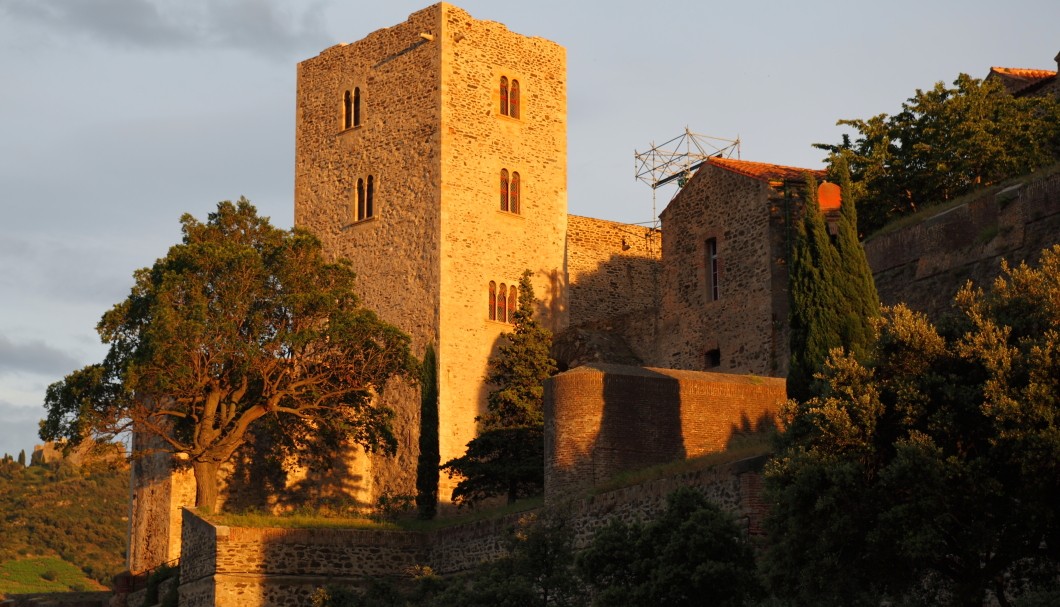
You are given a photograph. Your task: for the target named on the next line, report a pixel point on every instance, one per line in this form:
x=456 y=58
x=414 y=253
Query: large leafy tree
x=931 y=466
x=507 y=458
x=944 y=142
x=240 y=325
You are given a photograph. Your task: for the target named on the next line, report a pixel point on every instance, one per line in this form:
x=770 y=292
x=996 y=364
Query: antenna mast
x=678 y=158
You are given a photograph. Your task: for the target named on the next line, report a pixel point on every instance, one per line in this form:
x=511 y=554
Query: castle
x=432 y=156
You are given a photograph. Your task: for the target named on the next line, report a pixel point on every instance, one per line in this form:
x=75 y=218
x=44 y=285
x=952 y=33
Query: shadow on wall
x=601 y=420
x=259 y=478
x=641 y=423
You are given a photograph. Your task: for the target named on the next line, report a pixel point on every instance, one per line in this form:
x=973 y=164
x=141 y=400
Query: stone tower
x=432 y=155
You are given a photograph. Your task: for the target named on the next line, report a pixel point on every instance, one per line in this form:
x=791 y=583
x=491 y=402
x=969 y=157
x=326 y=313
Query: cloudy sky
x=117 y=116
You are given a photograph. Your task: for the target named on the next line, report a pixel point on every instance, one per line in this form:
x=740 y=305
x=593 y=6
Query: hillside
x=62 y=527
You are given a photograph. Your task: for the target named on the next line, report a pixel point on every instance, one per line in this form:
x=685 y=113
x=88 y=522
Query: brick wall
x=926 y=263
x=604 y=419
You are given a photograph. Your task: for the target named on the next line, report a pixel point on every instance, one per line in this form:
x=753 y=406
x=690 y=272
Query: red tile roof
x=1016 y=79
x=763 y=171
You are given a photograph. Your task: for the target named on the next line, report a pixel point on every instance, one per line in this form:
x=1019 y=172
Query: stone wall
x=239 y=567
x=924 y=264
x=601 y=420
x=613 y=268
x=744 y=328
x=435 y=142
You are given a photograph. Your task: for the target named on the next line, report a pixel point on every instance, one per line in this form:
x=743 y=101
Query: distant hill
x=62 y=518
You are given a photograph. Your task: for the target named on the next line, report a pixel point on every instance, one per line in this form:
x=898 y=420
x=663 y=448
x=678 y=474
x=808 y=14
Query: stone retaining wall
x=259 y=567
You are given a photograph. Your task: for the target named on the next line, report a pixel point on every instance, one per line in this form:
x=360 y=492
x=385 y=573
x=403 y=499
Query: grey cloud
x=18 y=429
x=258 y=26
x=34 y=356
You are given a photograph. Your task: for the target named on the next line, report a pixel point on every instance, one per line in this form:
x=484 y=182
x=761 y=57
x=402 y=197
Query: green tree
x=22 y=457
x=429 y=458
x=930 y=468
x=507 y=458
x=945 y=142
x=693 y=554
x=833 y=297
x=239 y=324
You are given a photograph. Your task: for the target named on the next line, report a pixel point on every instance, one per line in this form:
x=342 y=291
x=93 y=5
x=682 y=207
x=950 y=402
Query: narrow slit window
x=712 y=269
x=502 y=303
x=504 y=189
x=347 y=110
x=504 y=96
x=493 y=301
x=371 y=195
x=513 y=196
x=360 y=199
x=513 y=99
x=513 y=303
x=356 y=107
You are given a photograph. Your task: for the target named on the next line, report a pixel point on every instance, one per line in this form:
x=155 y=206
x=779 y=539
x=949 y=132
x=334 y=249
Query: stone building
x=432 y=155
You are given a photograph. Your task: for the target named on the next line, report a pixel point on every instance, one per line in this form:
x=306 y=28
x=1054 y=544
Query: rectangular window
x=713 y=358
x=712 y=269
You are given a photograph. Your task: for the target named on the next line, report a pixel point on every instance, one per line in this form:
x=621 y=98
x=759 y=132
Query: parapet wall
x=240 y=567
x=926 y=263
x=603 y=419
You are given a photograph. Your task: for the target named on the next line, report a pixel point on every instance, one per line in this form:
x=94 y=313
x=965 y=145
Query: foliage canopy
x=946 y=141
x=239 y=324
x=931 y=467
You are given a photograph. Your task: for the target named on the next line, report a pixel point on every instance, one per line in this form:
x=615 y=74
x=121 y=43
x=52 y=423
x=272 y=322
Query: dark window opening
x=360 y=199
x=504 y=189
x=513 y=195
x=347 y=110
x=356 y=107
x=713 y=358
x=513 y=99
x=712 y=269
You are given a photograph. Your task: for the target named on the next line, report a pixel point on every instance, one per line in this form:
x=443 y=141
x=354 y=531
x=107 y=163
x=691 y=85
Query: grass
x=296 y=521
x=43 y=574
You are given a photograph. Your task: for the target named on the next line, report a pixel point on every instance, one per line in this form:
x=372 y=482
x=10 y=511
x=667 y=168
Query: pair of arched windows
x=503 y=302
x=351 y=108
x=510 y=191
x=509 y=97
x=364 y=198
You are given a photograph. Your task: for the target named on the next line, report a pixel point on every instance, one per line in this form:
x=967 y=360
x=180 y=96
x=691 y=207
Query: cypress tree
x=427 y=465
x=858 y=288
x=833 y=296
x=22 y=458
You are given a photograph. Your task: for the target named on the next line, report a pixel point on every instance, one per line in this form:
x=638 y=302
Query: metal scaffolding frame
x=678 y=158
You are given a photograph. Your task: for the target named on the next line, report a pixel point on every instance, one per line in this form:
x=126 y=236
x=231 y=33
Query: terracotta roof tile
x=763 y=171
x=1016 y=79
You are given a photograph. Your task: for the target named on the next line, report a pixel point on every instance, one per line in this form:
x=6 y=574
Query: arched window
x=502 y=304
x=356 y=107
x=504 y=96
x=493 y=301
x=371 y=194
x=513 y=303
x=513 y=100
x=360 y=199
x=347 y=110
x=513 y=193
x=504 y=189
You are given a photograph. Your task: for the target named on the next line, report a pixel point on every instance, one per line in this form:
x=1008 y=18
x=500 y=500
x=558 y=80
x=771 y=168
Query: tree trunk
x=205 y=485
